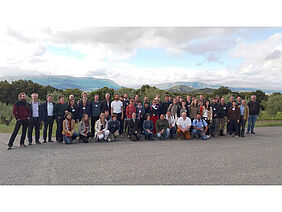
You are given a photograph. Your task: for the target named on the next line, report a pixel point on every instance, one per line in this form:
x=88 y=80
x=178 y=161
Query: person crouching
x=200 y=127
x=69 y=135
x=101 y=129
x=133 y=128
x=114 y=127
x=84 y=129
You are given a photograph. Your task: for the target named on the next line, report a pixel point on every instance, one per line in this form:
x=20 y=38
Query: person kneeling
x=133 y=128
x=68 y=132
x=200 y=128
x=84 y=129
x=101 y=128
x=162 y=127
x=114 y=127
x=148 y=127
x=183 y=127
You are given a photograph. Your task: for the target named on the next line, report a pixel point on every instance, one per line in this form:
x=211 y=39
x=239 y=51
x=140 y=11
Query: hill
x=65 y=82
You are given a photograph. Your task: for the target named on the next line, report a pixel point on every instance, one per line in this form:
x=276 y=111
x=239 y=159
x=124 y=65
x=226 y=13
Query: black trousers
x=135 y=137
x=233 y=127
x=93 y=121
x=242 y=125
x=34 y=123
x=59 y=135
x=19 y=123
x=119 y=119
x=85 y=139
x=48 y=123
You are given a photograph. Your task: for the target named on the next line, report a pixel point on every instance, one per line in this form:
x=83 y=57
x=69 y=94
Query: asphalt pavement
x=254 y=159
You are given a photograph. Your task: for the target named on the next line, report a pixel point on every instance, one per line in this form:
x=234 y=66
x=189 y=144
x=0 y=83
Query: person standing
x=234 y=116
x=222 y=117
x=34 y=121
x=59 y=111
x=21 y=112
x=47 y=117
x=215 y=111
x=183 y=127
x=194 y=109
x=166 y=103
x=96 y=109
x=106 y=103
x=117 y=109
x=254 y=108
x=207 y=115
x=155 y=114
x=72 y=108
x=174 y=108
x=140 y=114
x=162 y=127
x=244 y=111
x=184 y=108
x=129 y=110
x=84 y=107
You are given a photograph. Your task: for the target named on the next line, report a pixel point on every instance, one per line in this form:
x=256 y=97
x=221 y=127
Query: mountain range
x=90 y=84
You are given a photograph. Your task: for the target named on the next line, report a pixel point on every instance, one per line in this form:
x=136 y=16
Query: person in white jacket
x=101 y=128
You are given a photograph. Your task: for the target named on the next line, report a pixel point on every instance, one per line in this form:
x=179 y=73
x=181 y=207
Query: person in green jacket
x=162 y=127
x=59 y=112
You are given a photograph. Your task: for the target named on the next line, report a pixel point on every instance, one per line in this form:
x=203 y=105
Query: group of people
x=106 y=120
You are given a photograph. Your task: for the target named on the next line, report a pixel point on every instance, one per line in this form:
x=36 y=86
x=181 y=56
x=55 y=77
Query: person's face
x=62 y=99
x=146 y=98
x=106 y=113
x=162 y=117
x=222 y=100
x=239 y=99
x=49 y=99
x=131 y=102
x=207 y=103
x=198 y=116
x=170 y=98
x=188 y=98
x=84 y=95
x=168 y=113
x=136 y=97
x=102 y=116
x=183 y=104
x=72 y=102
x=121 y=98
x=174 y=101
x=253 y=98
x=146 y=105
x=201 y=97
x=86 y=117
x=234 y=104
x=114 y=118
x=183 y=115
x=69 y=116
x=139 y=104
x=193 y=98
x=243 y=102
x=166 y=98
x=148 y=118
x=231 y=99
x=116 y=97
x=154 y=102
x=96 y=98
x=35 y=97
x=125 y=96
x=133 y=115
x=213 y=101
x=107 y=96
x=22 y=97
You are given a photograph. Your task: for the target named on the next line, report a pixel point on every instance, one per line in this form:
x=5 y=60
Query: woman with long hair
x=84 y=128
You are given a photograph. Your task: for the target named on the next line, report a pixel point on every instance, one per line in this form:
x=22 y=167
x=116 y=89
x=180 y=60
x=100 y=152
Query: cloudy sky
x=133 y=56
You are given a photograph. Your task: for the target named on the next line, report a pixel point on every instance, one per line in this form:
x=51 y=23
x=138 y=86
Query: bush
x=274 y=104
x=6 y=113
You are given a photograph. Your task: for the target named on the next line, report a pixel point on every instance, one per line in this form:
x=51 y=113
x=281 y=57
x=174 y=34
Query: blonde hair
x=19 y=96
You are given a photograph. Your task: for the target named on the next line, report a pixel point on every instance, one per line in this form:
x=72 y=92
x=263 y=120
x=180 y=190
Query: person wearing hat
x=69 y=134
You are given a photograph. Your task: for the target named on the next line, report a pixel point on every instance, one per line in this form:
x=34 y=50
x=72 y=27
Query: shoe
x=242 y=136
x=44 y=141
x=236 y=136
x=38 y=142
x=109 y=140
x=9 y=148
x=208 y=136
x=253 y=133
x=51 y=141
x=248 y=132
x=229 y=136
x=23 y=145
x=29 y=144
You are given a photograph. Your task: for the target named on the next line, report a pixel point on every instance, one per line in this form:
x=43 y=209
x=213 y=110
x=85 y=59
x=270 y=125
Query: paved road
x=255 y=159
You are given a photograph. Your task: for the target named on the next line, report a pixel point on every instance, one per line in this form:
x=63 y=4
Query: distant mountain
x=189 y=86
x=188 y=89
x=196 y=85
x=65 y=82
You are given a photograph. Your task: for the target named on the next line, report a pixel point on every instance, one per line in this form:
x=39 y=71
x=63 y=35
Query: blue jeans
x=251 y=122
x=165 y=133
x=69 y=140
x=199 y=133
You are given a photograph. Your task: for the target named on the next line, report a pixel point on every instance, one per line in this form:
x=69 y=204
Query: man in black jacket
x=222 y=116
x=34 y=121
x=133 y=128
x=215 y=110
x=47 y=117
x=106 y=104
x=254 y=108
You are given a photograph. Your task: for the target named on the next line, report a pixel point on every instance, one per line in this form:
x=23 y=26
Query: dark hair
x=148 y=114
x=68 y=113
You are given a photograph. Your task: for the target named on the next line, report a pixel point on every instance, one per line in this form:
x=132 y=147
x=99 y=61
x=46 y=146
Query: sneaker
x=38 y=142
x=208 y=136
x=44 y=141
x=50 y=141
x=23 y=145
x=9 y=148
x=247 y=132
x=236 y=136
x=29 y=144
x=253 y=133
x=109 y=140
